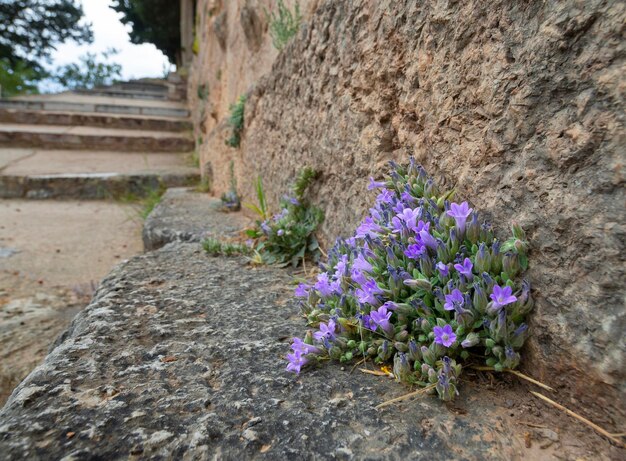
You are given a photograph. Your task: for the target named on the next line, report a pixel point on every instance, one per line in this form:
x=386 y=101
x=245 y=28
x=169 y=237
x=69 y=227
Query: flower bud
x=432 y=376
x=483 y=259
x=335 y=353
x=453 y=242
x=470 y=340
x=401 y=367
x=426 y=326
x=385 y=351
x=418 y=283
x=425 y=368
x=403 y=335
x=496 y=258
x=510 y=264
x=426 y=265
x=443 y=254
x=402 y=347
x=415 y=353
x=497 y=351
x=371 y=351
x=428 y=356
x=479 y=300
x=518 y=232
x=490 y=343
x=472 y=229
x=351 y=344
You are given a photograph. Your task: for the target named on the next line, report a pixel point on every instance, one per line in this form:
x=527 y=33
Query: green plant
x=230 y=199
x=288 y=237
x=235 y=120
x=216 y=247
x=423 y=285
x=283 y=25
x=261 y=209
x=203 y=186
x=144 y=201
x=203 y=92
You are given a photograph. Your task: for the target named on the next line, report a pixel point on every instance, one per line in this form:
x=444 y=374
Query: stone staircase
x=93 y=144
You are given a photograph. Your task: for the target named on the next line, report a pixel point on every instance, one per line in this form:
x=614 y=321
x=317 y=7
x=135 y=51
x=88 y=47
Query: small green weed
x=203 y=186
x=288 y=237
x=235 y=120
x=215 y=247
x=230 y=199
x=283 y=25
x=203 y=92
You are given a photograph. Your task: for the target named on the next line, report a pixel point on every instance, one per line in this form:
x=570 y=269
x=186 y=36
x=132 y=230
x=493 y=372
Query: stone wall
x=517 y=105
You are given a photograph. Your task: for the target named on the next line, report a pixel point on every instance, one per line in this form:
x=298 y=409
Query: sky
x=137 y=61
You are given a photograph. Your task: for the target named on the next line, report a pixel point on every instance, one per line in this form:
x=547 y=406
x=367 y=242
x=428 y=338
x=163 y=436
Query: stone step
x=185 y=352
x=124 y=93
x=68 y=102
x=84 y=137
x=131 y=122
x=41 y=174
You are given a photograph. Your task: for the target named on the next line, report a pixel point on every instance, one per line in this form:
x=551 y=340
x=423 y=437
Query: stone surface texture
x=180 y=356
x=188 y=216
x=519 y=106
x=235 y=50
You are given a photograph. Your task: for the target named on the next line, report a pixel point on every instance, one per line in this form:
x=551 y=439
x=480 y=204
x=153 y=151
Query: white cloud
x=137 y=61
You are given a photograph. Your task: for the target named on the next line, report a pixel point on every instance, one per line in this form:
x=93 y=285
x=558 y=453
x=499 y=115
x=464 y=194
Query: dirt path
x=52 y=255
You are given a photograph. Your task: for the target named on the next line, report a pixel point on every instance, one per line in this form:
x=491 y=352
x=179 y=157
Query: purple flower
x=294 y=201
x=444 y=336
x=277 y=217
x=409 y=216
x=460 y=214
x=341 y=267
x=361 y=264
x=407 y=198
x=381 y=318
x=375 y=184
x=367 y=293
x=385 y=196
x=280 y=232
x=327 y=331
x=296 y=362
x=453 y=300
x=443 y=269
x=367 y=321
x=303 y=348
x=358 y=277
x=368 y=227
x=427 y=239
x=415 y=250
x=265 y=228
x=502 y=296
x=465 y=268
x=302 y=290
x=323 y=285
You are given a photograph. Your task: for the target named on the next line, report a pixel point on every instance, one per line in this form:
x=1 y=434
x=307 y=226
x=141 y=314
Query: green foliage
x=261 y=209
x=235 y=120
x=283 y=25
x=89 y=72
x=145 y=202
x=31 y=29
x=203 y=92
x=16 y=78
x=217 y=248
x=288 y=237
x=230 y=199
x=152 y=21
x=203 y=186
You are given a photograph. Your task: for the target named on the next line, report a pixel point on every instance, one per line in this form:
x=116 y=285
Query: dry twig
x=580 y=418
x=516 y=373
x=424 y=390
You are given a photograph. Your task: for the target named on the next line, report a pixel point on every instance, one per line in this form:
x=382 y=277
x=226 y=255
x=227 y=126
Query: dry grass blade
x=424 y=390
x=516 y=373
x=580 y=418
x=373 y=372
x=357 y=364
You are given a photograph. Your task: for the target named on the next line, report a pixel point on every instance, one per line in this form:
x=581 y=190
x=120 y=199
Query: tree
x=16 y=79
x=153 y=21
x=31 y=29
x=89 y=72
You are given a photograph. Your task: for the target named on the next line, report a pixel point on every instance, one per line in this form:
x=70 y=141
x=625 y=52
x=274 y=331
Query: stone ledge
x=185 y=215
x=179 y=355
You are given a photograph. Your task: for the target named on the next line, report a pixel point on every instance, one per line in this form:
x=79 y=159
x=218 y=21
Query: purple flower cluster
x=421 y=282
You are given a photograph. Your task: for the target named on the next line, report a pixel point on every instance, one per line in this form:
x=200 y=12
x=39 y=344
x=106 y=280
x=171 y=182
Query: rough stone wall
x=517 y=105
x=234 y=51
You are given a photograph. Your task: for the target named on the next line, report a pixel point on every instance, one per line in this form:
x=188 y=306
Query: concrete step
x=84 y=137
x=70 y=102
x=132 y=122
x=43 y=174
